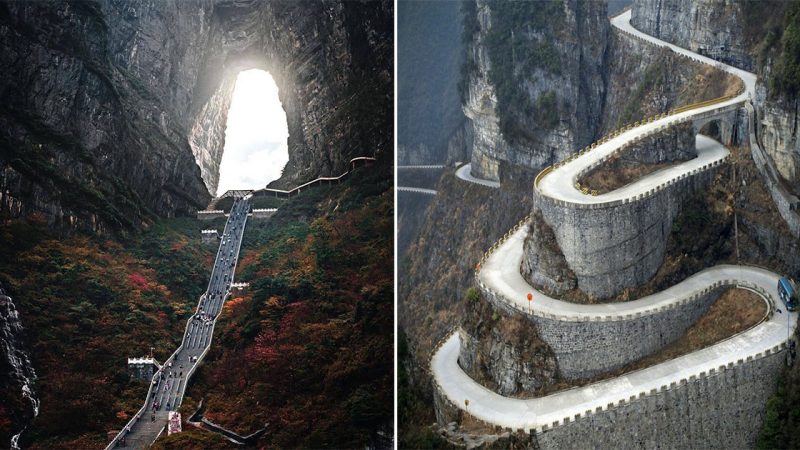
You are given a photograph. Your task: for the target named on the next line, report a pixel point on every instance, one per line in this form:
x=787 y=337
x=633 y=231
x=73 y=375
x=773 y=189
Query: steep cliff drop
x=114 y=112
x=17 y=363
x=570 y=418
x=535 y=84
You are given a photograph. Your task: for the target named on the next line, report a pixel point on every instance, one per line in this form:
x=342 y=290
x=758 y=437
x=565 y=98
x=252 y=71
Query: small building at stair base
x=142 y=368
x=210 y=236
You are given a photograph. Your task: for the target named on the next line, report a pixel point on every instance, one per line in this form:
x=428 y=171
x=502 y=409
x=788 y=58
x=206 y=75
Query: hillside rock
x=504 y=352
x=536 y=83
x=114 y=110
x=544 y=265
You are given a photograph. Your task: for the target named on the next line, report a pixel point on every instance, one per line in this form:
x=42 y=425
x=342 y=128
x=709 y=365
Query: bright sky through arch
x=255 y=136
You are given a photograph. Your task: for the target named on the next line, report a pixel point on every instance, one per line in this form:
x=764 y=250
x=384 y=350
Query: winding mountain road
x=465 y=173
x=500 y=274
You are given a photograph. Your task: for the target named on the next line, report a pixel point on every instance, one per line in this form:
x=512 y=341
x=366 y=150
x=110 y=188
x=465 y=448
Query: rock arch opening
x=256 y=134
x=332 y=76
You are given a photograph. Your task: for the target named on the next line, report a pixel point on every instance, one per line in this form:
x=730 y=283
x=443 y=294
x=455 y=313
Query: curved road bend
x=465 y=173
x=500 y=272
x=169 y=383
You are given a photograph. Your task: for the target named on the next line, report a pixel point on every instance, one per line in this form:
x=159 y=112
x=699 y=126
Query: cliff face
x=709 y=27
x=778 y=134
x=429 y=56
x=748 y=35
x=115 y=110
x=643 y=81
x=536 y=86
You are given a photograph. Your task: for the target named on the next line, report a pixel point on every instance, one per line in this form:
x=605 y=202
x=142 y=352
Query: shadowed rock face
x=505 y=352
x=556 y=74
x=115 y=110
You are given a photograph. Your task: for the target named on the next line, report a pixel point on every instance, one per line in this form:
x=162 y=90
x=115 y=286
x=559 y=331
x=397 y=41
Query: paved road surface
x=500 y=272
x=465 y=173
x=169 y=383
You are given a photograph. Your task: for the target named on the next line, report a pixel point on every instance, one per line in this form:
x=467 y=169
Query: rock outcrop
x=777 y=133
x=544 y=265
x=113 y=111
x=709 y=27
x=503 y=351
x=536 y=84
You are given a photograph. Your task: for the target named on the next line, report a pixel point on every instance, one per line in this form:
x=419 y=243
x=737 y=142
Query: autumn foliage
x=87 y=304
x=309 y=349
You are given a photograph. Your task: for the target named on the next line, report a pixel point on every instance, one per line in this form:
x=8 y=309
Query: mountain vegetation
x=516 y=54
x=88 y=303
x=307 y=348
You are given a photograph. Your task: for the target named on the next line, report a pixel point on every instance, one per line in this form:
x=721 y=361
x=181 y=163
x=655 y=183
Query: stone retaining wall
x=621 y=244
x=585 y=348
x=722 y=408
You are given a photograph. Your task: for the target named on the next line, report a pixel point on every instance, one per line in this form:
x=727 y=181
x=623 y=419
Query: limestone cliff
x=429 y=56
x=504 y=352
x=714 y=28
x=643 y=81
x=114 y=110
x=751 y=35
x=536 y=86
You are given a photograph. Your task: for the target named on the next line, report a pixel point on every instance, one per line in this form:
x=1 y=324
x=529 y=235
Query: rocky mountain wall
x=536 y=81
x=430 y=54
x=115 y=110
x=709 y=27
x=744 y=34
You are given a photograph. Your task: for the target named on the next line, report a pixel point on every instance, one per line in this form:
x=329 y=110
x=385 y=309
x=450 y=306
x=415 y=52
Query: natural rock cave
x=115 y=110
x=255 y=135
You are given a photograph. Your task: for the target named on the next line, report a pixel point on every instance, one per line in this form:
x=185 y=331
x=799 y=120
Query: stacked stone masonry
x=621 y=244
x=588 y=348
x=674 y=416
x=715 y=410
